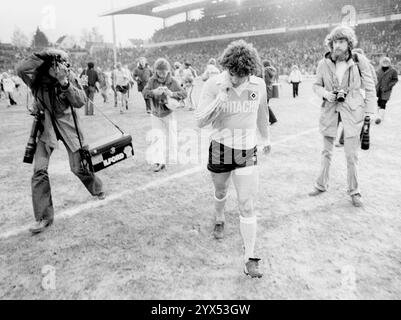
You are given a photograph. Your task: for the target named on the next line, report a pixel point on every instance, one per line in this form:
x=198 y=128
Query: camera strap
x=76 y=126
x=107 y=118
x=52 y=117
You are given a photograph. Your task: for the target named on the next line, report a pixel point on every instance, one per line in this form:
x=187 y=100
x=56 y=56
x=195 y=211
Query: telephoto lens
x=31 y=145
x=365 y=136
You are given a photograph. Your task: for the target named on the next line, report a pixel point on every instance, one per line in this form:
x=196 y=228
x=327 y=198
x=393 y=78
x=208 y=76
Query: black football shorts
x=225 y=159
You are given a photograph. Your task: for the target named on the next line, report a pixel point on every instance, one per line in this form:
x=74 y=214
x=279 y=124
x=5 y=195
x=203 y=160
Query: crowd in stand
x=303 y=48
x=292 y=13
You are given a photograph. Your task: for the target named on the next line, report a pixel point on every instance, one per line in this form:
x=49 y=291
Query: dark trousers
x=295 y=86
x=272 y=116
x=147 y=103
x=41 y=191
x=90 y=93
x=341 y=139
x=382 y=103
x=11 y=98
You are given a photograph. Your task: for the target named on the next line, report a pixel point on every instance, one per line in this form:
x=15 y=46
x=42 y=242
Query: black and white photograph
x=213 y=151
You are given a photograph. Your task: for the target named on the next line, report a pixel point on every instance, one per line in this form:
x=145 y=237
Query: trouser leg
x=159 y=140
x=147 y=104
x=91 y=181
x=322 y=182
x=172 y=138
x=351 y=147
x=40 y=184
x=91 y=98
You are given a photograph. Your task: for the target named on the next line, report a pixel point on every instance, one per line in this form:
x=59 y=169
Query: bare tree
x=19 y=39
x=91 y=35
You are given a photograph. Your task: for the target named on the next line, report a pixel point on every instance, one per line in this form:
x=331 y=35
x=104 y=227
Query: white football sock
x=248 y=232
x=219 y=205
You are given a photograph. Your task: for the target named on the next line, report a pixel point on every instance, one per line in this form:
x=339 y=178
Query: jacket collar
x=332 y=64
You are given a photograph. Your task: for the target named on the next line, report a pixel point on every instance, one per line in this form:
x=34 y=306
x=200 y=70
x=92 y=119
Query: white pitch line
x=156 y=183
x=116 y=196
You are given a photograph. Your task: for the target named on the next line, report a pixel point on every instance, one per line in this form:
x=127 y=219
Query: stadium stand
x=304 y=47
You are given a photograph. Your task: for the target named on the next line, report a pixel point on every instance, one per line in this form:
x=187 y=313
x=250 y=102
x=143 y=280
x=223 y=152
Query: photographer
x=56 y=90
x=340 y=77
x=163 y=91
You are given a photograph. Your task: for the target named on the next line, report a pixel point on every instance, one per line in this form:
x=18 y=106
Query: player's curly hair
x=241 y=58
x=341 y=32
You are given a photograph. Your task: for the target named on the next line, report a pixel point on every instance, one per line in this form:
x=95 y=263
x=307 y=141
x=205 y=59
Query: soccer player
x=235 y=103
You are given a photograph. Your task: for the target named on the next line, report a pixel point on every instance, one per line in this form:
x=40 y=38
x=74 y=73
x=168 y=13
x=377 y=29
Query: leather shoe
x=40 y=226
x=315 y=193
x=356 y=200
x=159 y=167
x=101 y=196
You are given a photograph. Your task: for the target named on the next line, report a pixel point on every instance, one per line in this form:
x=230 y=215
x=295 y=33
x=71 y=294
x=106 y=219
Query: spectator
x=295 y=78
x=189 y=74
x=386 y=79
x=121 y=80
x=160 y=90
x=142 y=74
x=90 y=82
x=8 y=88
x=211 y=70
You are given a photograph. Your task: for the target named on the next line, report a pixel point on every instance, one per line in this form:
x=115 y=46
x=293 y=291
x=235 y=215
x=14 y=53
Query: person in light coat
x=338 y=71
x=164 y=93
x=295 y=78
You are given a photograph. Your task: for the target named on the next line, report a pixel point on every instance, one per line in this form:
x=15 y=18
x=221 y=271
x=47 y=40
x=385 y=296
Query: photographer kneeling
x=56 y=91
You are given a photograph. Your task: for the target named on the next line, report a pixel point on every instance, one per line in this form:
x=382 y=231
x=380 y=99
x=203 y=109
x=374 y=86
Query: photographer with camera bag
x=339 y=80
x=56 y=91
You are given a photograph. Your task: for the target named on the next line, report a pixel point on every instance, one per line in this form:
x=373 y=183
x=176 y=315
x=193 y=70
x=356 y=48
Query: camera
x=340 y=95
x=31 y=145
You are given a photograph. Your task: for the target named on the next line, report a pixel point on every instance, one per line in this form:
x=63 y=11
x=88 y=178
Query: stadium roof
x=157 y=8
x=168 y=8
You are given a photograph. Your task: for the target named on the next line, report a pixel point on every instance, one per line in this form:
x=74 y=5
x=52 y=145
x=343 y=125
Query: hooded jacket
x=159 y=104
x=386 y=80
x=357 y=76
x=142 y=76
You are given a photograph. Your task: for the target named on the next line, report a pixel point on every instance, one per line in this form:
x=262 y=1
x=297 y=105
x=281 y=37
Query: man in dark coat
x=90 y=80
x=269 y=73
x=142 y=75
x=386 y=79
